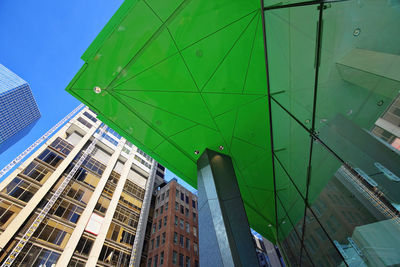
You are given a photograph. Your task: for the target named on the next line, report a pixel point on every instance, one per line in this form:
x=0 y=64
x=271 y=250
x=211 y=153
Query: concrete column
x=83 y=220
x=23 y=215
x=98 y=243
x=224 y=233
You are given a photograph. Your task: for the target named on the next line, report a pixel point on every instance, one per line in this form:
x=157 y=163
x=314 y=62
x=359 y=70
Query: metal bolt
x=97 y=90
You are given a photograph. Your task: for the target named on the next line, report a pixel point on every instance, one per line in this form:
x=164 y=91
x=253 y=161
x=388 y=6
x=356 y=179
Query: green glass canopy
x=180 y=76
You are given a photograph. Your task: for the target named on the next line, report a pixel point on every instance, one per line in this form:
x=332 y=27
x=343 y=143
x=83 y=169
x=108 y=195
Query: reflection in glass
x=348 y=181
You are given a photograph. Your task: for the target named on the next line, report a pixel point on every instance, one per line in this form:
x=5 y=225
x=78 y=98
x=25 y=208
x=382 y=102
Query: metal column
x=224 y=232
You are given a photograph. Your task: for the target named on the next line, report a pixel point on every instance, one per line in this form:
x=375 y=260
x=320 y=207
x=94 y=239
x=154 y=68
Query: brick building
x=174 y=232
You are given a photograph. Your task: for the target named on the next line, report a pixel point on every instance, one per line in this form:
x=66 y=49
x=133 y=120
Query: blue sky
x=42 y=42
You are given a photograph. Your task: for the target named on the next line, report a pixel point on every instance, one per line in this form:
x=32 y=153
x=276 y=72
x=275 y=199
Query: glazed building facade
x=94 y=221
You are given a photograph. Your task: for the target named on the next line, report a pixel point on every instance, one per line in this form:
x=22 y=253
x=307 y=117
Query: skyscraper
x=18 y=109
x=96 y=217
x=174 y=233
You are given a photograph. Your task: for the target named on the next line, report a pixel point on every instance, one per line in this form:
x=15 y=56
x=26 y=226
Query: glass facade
x=334 y=80
x=18 y=108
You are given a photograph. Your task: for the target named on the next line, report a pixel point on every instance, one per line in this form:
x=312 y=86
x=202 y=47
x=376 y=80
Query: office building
x=18 y=108
x=174 y=233
x=95 y=218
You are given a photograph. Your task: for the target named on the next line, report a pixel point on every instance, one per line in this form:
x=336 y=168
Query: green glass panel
x=181 y=76
x=291 y=36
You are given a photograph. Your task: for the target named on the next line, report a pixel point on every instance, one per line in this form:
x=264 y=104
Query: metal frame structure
x=314 y=135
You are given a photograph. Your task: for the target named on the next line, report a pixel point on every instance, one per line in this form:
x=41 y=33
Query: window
x=37 y=171
x=177 y=193
x=174 y=257
x=167 y=193
x=85 y=122
x=180 y=260
x=127 y=238
x=182 y=196
x=126 y=216
x=155 y=260
x=102 y=204
x=144 y=155
x=51 y=233
x=196 y=263
x=20 y=189
x=62 y=146
x=134 y=189
x=156 y=213
x=111 y=131
x=157 y=241
x=162 y=258
x=187 y=227
x=187 y=262
x=89 y=116
x=7 y=211
x=176 y=221
x=42 y=257
x=175 y=238
x=181 y=241
x=193 y=203
x=195 y=248
x=79 y=193
x=50 y=158
x=187 y=199
x=159 y=224
x=194 y=231
x=176 y=206
x=166 y=207
x=113 y=257
x=84 y=246
x=194 y=216
x=163 y=238
x=165 y=221
x=158 y=200
x=127 y=151
x=149 y=263
x=187 y=243
x=187 y=212
x=154 y=228
x=181 y=224
x=162 y=196
x=182 y=210
x=152 y=244
x=67 y=210
x=161 y=209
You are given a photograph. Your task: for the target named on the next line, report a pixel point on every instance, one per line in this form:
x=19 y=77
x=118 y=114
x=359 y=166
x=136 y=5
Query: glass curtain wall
x=334 y=83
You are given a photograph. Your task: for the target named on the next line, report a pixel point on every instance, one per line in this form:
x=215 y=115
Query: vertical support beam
x=137 y=247
x=224 y=232
x=271 y=132
x=98 y=243
x=84 y=219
